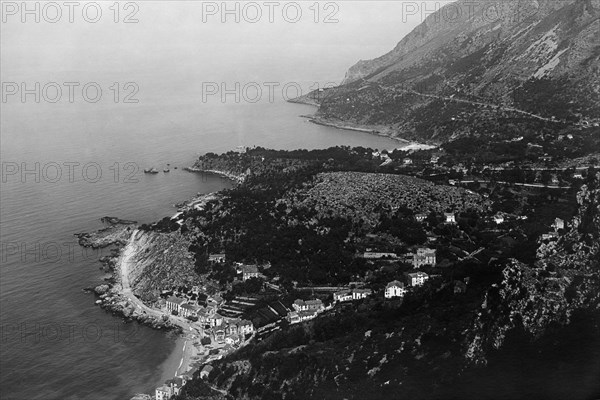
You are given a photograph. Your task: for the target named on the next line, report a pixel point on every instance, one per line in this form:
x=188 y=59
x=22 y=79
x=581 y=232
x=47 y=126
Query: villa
x=163 y=393
x=249 y=272
x=216 y=258
x=417 y=278
x=424 y=256
x=450 y=218
x=352 y=294
x=308 y=305
x=395 y=289
x=174 y=303
x=206 y=371
x=188 y=310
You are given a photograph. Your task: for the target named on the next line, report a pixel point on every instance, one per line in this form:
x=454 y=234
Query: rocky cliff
x=564 y=280
x=517 y=59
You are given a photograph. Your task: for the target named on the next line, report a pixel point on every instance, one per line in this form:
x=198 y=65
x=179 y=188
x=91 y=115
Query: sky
x=214 y=41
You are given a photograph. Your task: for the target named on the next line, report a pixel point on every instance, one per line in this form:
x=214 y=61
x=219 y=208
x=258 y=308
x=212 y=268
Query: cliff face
x=159 y=261
x=504 y=59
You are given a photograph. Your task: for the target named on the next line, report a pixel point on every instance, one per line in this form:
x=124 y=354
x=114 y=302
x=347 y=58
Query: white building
x=420 y=217
x=174 y=303
x=216 y=258
x=558 y=224
x=395 y=289
x=450 y=218
x=499 y=219
x=417 y=278
x=424 y=256
x=163 y=393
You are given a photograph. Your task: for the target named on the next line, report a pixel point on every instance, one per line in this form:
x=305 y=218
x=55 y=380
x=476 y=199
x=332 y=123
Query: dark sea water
x=56 y=344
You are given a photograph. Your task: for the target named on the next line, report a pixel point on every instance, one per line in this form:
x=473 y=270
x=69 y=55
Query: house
x=206 y=371
x=434 y=159
x=498 y=219
x=163 y=393
x=417 y=278
x=188 y=310
x=450 y=218
x=407 y=161
x=216 y=258
x=344 y=295
x=293 y=317
x=218 y=335
x=308 y=305
x=395 y=289
x=358 y=294
x=175 y=384
x=371 y=255
x=423 y=256
x=249 y=272
x=239 y=327
x=300 y=316
x=558 y=224
x=420 y=217
x=555 y=180
x=214 y=320
x=577 y=175
x=174 y=303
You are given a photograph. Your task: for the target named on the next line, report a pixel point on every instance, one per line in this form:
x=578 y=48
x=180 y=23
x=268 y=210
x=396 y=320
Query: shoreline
x=179 y=362
x=409 y=144
x=233 y=177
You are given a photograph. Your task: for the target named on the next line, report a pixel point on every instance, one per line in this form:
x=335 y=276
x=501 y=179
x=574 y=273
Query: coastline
x=231 y=176
x=408 y=144
x=180 y=360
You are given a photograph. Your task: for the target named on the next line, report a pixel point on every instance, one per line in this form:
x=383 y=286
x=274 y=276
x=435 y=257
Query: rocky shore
x=110 y=295
x=238 y=178
x=116 y=233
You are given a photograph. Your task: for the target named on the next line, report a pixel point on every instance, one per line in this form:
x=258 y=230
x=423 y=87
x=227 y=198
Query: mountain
x=472 y=67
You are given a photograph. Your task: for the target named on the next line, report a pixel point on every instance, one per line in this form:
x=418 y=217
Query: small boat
x=151 y=171
x=166 y=170
x=175 y=167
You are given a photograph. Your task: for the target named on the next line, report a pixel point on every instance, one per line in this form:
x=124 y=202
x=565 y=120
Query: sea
x=66 y=165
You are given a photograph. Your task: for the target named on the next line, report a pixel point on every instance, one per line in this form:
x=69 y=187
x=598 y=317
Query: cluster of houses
x=230 y=331
x=399 y=289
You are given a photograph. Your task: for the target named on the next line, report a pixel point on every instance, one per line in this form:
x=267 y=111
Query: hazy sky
x=179 y=38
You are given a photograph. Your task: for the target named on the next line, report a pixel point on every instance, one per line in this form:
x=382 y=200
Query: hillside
x=468 y=70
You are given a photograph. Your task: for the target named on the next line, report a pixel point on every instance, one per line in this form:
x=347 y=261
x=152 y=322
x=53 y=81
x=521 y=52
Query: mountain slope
x=535 y=61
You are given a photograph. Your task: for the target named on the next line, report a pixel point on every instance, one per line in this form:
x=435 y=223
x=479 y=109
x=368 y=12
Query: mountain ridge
x=540 y=58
